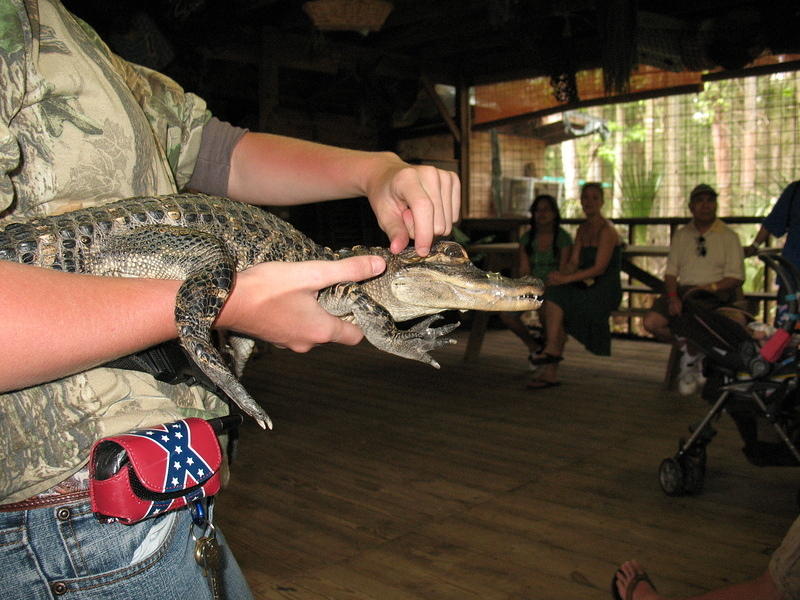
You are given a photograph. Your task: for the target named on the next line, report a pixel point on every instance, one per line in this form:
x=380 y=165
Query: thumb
x=322 y=274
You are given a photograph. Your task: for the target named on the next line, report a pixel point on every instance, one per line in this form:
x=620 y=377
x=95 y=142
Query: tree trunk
x=720 y=136
x=674 y=201
x=619 y=160
x=569 y=161
x=749 y=141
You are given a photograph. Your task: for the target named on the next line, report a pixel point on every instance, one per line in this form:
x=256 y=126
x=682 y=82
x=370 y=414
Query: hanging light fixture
x=363 y=16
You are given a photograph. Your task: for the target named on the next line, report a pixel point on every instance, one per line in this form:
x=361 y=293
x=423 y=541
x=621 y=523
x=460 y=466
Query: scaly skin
x=204 y=241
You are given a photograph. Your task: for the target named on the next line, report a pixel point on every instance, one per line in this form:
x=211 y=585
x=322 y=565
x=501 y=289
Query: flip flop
x=543 y=385
x=546 y=359
x=638 y=578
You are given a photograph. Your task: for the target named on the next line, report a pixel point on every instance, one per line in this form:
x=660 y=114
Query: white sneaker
x=690 y=375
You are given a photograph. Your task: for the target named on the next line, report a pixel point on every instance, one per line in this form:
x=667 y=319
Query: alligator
x=204 y=240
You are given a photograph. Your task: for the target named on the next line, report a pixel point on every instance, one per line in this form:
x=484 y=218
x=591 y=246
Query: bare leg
x=761 y=588
x=554 y=327
x=556 y=338
x=657 y=324
x=515 y=324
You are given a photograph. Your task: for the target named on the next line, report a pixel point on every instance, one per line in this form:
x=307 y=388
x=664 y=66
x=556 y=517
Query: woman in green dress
x=544 y=248
x=579 y=300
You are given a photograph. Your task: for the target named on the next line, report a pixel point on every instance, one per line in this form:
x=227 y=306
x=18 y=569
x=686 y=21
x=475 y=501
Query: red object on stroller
x=746 y=380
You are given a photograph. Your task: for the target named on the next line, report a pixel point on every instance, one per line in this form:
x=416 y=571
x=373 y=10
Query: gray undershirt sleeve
x=213 y=165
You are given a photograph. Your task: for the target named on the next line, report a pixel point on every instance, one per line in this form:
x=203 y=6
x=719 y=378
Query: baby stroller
x=746 y=379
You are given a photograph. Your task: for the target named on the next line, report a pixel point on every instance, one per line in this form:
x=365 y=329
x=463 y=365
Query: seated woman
x=544 y=248
x=579 y=301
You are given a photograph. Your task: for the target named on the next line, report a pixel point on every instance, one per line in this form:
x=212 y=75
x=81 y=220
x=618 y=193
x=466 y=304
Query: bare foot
x=633 y=574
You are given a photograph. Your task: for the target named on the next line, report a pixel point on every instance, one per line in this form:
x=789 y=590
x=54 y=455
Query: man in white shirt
x=705 y=254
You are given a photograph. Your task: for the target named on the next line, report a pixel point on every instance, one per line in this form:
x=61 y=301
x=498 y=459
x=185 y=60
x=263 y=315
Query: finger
x=455 y=197
x=445 y=210
x=319 y=274
x=400 y=231
x=346 y=333
x=431 y=180
x=417 y=198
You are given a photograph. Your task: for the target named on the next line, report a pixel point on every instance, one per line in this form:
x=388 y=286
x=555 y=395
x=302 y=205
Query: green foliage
x=639 y=187
x=460 y=236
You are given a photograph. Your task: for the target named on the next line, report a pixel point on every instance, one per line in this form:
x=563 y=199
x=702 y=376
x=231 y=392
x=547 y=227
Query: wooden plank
x=387 y=479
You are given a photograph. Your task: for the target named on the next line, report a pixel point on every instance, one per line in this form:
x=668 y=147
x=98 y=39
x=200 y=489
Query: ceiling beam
x=305 y=52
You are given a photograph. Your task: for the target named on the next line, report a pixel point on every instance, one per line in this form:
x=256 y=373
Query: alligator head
x=413 y=286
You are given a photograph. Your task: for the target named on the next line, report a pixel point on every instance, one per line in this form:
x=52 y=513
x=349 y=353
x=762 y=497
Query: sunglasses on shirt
x=701 y=246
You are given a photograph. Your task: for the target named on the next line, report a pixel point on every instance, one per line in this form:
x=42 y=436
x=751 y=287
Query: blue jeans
x=63 y=549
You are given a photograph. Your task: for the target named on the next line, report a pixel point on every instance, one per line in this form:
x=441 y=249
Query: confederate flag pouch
x=147 y=472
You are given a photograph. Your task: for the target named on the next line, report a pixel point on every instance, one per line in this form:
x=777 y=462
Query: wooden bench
x=504 y=255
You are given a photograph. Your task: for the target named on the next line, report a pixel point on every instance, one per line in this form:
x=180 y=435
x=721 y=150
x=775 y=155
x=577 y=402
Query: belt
x=43 y=501
x=72 y=489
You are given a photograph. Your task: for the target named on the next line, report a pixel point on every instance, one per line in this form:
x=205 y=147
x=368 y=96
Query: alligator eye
x=454 y=250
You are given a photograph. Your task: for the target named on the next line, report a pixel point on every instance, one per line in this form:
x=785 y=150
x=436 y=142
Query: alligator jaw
x=425 y=291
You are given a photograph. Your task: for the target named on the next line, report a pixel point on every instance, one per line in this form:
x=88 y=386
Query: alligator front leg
x=207 y=268
x=348 y=300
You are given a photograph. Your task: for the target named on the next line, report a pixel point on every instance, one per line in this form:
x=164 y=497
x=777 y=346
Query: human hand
x=556 y=278
x=750 y=250
x=414 y=201
x=277 y=302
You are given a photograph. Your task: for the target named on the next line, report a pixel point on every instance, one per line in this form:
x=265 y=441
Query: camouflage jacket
x=80 y=126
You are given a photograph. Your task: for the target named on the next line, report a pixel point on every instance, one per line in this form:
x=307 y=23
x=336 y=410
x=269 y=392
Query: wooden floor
x=386 y=479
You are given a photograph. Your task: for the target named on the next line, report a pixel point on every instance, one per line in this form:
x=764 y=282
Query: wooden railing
x=640 y=279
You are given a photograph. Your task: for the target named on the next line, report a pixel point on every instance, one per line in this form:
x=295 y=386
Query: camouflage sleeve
x=15 y=47
x=177 y=117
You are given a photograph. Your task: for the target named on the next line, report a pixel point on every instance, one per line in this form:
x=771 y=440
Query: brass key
x=208 y=555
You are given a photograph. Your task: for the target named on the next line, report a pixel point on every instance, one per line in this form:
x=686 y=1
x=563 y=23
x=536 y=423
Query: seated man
x=706 y=255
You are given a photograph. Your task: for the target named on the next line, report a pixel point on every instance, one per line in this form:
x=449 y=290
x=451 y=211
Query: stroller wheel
x=671 y=477
x=694 y=473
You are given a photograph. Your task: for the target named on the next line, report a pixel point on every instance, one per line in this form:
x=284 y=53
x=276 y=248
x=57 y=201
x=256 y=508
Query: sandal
x=546 y=359
x=541 y=384
x=637 y=579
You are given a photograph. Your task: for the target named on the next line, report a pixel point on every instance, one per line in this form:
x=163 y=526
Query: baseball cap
x=702 y=188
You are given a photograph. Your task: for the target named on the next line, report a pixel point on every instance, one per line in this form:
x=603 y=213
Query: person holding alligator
x=79 y=127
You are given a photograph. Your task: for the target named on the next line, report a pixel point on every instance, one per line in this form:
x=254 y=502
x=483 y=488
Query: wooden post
x=462 y=148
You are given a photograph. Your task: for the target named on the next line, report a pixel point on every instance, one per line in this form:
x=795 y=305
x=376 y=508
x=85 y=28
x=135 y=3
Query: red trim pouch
x=147 y=472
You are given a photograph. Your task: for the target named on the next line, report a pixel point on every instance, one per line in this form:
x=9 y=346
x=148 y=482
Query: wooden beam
x=464 y=116
x=306 y=53
x=443 y=112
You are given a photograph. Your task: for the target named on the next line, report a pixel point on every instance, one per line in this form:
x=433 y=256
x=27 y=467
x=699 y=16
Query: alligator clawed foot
x=423 y=338
x=208 y=360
